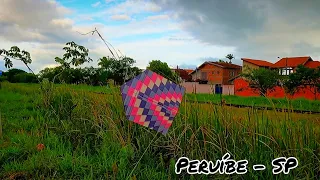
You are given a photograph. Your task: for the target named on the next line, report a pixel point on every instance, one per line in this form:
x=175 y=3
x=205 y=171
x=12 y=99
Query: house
x=249 y=64
x=284 y=66
x=216 y=72
x=288 y=65
x=183 y=73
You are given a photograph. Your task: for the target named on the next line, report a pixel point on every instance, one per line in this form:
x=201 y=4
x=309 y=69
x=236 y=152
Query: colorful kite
x=151 y=100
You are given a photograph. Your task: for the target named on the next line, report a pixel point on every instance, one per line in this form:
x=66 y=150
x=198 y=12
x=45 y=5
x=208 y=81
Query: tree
x=262 y=79
x=75 y=55
x=88 y=75
x=119 y=70
x=15 y=53
x=50 y=73
x=13 y=72
x=220 y=60
x=163 y=69
x=24 y=78
x=305 y=77
x=230 y=57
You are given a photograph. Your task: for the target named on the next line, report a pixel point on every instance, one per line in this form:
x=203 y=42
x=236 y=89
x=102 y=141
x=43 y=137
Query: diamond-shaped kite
x=151 y=100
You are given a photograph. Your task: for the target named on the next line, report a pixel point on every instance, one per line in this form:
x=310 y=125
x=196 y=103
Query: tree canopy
x=230 y=57
x=74 y=55
x=305 y=77
x=15 y=53
x=262 y=79
x=119 y=70
x=163 y=69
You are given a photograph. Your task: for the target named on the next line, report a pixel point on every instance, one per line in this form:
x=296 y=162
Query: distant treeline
x=109 y=69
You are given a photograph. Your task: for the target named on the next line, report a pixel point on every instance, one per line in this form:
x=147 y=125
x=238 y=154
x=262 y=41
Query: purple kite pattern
x=151 y=100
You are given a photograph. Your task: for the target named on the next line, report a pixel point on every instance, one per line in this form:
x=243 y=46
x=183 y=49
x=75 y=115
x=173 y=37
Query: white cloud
x=172 y=52
x=256 y=28
x=20 y=21
x=133 y=7
x=97 y=4
x=109 y=1
x=121 y=17
x=63 y=23
x=44 y=36
x=158 y=17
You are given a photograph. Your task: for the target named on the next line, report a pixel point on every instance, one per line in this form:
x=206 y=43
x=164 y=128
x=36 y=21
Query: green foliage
x=87 y=75
x=119 y=70
x=13 y=72
x=50 y=73
x=303 y=77
x=19 y=76
x=3 y=78
x=163 y=69
x=74 y=55
x=24 y=78
x=230 y=57
x=46 y=92
x=281 y=103
x=99 y=143
x=15 y=53
x=262 y=79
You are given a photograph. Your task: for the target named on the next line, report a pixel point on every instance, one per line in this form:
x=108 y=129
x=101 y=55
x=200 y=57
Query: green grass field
x=282 y=103
x=93 y=140
x=296 y=104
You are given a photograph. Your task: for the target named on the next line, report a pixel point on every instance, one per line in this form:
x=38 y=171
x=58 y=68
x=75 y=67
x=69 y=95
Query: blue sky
x=139 y=29
x=178 y=32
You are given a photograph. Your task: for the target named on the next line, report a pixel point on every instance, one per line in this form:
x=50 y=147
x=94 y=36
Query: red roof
x=261 y=63
x=189 y=70
x=226 y=65
x=291 y=62
x=221 y=64
x=312 y=64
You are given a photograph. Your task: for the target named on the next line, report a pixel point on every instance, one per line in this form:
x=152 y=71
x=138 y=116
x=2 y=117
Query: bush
x=24 y=78
x=3 y=78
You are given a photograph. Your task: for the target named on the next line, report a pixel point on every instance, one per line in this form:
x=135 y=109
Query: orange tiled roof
x=189 y=70
x=261 y=63
x=226 y=65
x=312 y=64
x=291 y=61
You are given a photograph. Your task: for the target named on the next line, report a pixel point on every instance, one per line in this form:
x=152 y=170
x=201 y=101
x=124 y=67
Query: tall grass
x=282 y=103
x=87 y=136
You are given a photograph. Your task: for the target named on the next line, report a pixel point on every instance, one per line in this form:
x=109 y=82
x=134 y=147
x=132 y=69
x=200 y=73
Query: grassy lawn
x=296 y=104
x=93 y=140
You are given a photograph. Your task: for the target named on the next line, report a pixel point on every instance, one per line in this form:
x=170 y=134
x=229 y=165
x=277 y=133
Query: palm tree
x=230 y=57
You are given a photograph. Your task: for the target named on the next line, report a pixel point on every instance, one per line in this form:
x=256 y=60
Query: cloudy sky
x=179 y=32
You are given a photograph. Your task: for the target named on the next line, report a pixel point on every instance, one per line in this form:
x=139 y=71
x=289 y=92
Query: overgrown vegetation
x=163 y=69
x=86 y=136
x=51 y=131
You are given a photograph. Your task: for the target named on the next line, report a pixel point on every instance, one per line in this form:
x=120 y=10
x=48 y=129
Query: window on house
x=232 y=73
x=218 y=72
x=285 y=71
x=212 y=72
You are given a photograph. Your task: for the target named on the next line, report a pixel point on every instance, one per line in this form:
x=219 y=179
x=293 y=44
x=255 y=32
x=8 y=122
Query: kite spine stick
x=142 y=156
